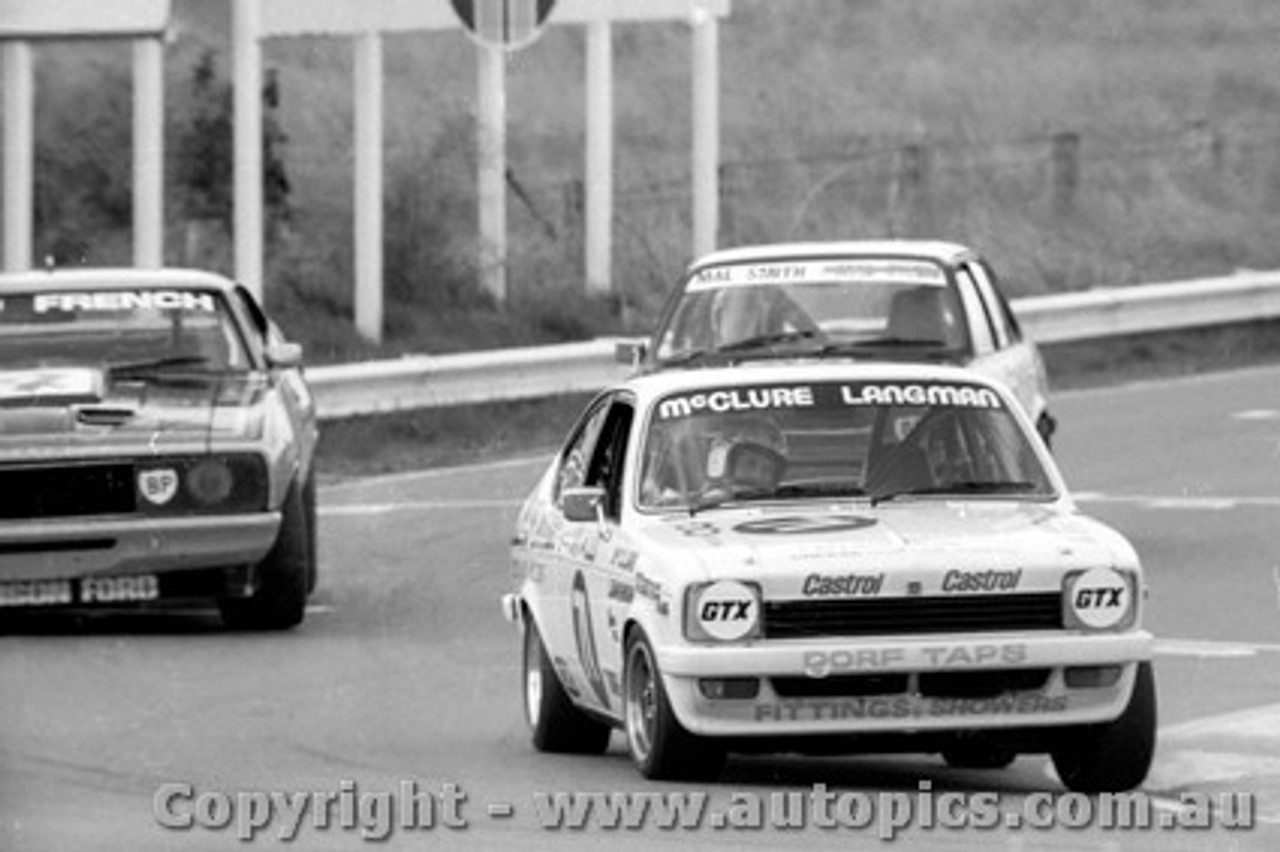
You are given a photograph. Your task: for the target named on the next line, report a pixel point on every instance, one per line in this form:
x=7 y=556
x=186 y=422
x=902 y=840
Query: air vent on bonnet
x=104 y=415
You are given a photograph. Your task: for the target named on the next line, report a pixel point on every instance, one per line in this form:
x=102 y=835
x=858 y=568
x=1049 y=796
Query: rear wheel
x=1115 y=756
x=557 y=725
x=280 y=600
x=660 y=746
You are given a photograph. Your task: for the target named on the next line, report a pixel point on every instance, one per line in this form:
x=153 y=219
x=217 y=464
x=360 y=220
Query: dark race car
x=157 y=444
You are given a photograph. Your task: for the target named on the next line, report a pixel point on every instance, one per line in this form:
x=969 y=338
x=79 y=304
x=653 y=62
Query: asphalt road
x=403 y=684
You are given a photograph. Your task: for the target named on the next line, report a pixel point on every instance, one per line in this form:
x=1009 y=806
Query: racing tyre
x=309 y=510
x=280 y=601
x=660 y=746
x=1115 y=756
x=557 y=725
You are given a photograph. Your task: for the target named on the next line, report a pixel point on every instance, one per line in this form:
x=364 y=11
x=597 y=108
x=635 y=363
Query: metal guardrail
x=425 y=381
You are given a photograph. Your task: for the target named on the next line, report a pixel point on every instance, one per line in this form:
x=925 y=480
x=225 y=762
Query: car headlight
x=235 y=482
x=1099 y=599
x=723 y=611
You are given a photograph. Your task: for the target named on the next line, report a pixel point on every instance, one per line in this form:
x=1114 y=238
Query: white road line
x=1156 y=501
x=1264 y=720
x=1257 y=414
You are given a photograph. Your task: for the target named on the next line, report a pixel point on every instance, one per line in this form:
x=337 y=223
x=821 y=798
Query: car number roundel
x=584 y=636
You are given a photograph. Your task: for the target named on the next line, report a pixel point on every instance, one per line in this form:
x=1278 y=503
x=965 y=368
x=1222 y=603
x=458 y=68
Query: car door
x=587 y=563
x=1000 y=350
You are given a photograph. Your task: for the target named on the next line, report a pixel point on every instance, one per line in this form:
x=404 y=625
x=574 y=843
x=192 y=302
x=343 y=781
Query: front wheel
x=280 y=600
x=1115 y=756
x=557 y=725
x=660 y=746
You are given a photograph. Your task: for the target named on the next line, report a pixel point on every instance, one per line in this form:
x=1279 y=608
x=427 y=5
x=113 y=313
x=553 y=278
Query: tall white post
x=19 y=155
x=492 y=154
x=148 y=152
x=706 y=129
x=598 y=226
x=368 y=185
x=247 y=80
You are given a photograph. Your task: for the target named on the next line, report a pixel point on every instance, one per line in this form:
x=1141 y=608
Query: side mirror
x=585 y=503
x=631 y=352
x=284 y=356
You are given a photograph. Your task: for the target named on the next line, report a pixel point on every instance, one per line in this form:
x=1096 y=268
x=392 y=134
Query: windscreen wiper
x=156 y=365
x=966 y=487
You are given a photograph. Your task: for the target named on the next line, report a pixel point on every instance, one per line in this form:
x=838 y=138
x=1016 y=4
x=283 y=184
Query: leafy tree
x=205 y=149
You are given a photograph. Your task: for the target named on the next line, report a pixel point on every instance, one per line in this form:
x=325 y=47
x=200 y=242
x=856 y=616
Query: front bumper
x=118 y=546
x=881 y=686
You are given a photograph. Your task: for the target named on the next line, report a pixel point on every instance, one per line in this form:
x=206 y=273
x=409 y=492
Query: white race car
x=812 y=557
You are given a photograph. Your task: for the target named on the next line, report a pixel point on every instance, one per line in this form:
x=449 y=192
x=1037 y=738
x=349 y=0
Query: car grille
x=898 y=616
x=66 y=491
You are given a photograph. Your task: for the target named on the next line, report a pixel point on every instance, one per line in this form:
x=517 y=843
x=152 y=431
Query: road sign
x=510 y=24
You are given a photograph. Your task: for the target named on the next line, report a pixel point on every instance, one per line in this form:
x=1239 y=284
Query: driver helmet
x=760 y=431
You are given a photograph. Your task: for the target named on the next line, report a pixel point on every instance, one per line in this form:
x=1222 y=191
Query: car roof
x=114 y=278
x=650 y=386
x=935 y=250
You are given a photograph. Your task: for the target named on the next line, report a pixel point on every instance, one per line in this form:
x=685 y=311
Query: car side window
x=1006 y=332
x=608 y=461
x=979 y=320
x=573 y=459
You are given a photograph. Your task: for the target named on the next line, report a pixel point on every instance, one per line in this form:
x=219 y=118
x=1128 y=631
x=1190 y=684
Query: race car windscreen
x=872 y=305
x=876 y=440
x=133 y=330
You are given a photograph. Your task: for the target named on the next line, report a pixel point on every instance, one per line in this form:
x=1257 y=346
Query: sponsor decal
x=67 y=382
x=586 y=639
x=804 y=525
x=647 y=587
x=621 y=592
x=90 y=590
x=142 y=587
x=909 y=707
x=981 y=581
x=124 y=300
x=697 y=529
x=1100 y=598
x=727 y=610
x=841 y=585
x=158 y=485
x=819 y=664
x=736 y=399
x=944 y=395
x=35 y=593
x=624 y=559
x=824 y=271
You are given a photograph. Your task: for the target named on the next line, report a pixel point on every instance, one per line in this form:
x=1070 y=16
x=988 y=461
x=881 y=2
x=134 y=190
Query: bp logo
x=158 y=485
